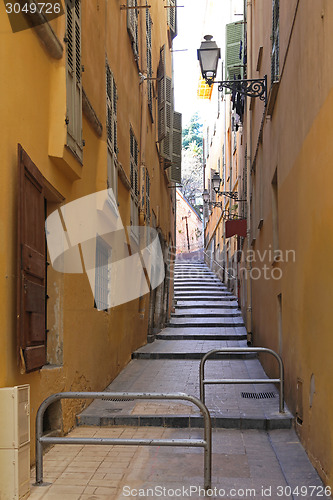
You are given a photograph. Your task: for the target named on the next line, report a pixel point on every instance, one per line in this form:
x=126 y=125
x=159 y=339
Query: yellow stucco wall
x=96 y=345
x=297 y=142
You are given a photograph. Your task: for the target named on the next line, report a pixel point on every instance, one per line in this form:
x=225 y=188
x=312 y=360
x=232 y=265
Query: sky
x=196 y=19
x=186 y=67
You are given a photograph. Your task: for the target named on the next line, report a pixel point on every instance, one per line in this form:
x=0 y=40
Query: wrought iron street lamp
x=209 y=55
x=216 y=182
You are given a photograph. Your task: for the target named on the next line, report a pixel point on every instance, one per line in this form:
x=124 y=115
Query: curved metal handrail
x=223 y=268
x=242 y=350
x=205 y=443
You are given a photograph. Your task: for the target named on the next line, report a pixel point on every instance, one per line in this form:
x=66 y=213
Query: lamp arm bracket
x=251 y=88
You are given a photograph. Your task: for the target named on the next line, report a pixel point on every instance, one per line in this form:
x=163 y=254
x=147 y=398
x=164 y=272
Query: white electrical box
x=15 y=442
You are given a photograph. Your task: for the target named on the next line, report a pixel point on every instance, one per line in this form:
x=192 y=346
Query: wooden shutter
x=176 y=172
x=234 y=37
x=111 y=110
x=166 y=143
x=31 y=292
x=161 y=96
x=172 y=17
x=149 y=61
x=132 y=26
x=73 y=80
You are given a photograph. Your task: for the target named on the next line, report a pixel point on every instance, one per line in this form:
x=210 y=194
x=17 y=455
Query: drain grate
x=258 y=395
x=117 y=399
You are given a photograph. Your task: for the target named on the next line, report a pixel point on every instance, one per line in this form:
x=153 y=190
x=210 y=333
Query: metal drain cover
x=116 y=400
x=258 y=395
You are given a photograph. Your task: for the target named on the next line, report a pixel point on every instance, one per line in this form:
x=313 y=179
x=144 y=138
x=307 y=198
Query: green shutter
x=176 y=167
x=234 y=34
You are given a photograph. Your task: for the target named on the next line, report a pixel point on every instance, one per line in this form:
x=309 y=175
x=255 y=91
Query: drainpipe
x=248 y=160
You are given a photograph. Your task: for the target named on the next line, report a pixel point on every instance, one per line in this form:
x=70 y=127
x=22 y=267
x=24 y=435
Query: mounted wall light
x=209 y=55
x=216 y=182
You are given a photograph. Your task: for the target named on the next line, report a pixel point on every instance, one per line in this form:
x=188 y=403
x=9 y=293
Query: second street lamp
x=209 y=55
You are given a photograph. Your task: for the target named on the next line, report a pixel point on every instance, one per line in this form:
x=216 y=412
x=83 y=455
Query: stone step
x=202 y=307
x=280 y=421
x=203 y=296
x=226 y=323
x=181 y=335
x=193 y=313
x=202 y=288
x=196 y=282
x=206 y=299
x=187 y=355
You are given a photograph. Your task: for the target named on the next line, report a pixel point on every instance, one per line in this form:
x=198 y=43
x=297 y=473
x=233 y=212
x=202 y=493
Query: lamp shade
x=205 y=196
x=208 y=55
x=216 y=181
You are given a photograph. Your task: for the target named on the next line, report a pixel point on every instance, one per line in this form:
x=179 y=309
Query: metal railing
x=205 y=443
x=212 y=260
x=242 y=350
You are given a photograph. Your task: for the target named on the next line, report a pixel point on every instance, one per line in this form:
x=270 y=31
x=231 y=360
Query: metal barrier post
x=241 y=350
x=205 y=443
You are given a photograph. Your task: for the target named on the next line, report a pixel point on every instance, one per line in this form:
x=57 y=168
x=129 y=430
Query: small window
x=134 y=177
x=149 y=62
x=275 y=42
x=111 y=131
x=102 y=274
x=132 y=26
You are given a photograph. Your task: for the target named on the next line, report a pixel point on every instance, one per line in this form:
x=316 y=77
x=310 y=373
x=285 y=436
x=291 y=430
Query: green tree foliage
x=192 y=166
x=192 y=134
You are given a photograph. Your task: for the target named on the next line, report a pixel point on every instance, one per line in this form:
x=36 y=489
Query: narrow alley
x=166 y=232
x=254 y=446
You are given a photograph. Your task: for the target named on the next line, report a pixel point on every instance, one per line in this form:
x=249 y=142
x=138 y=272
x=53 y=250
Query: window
x=111 y=131
x=172 y=17
x=147 y=196
x=149 y=62
x=73 y=79
x=102 y=274
x=233 y=53
x=134 y=177
x=275 y=42
x=165 y=112
x=132 y=26
x=176 y=167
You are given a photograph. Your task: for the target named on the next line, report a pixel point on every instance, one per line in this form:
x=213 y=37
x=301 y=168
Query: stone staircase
x=206 y=317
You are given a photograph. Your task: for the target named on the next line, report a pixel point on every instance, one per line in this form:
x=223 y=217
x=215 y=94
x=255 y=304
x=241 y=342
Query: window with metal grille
x=102 y=274
x=275 y=68
x=134 y=177
x=73 y=78
x=132 y=26
x=149 y=62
